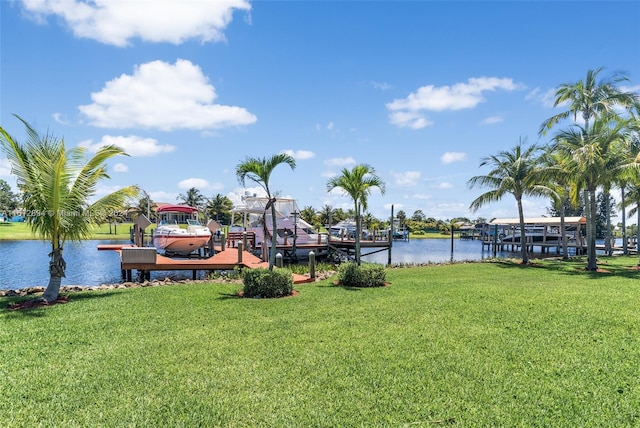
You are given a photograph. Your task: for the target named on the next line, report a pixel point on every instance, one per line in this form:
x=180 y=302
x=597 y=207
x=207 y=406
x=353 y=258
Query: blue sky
x=421 y=91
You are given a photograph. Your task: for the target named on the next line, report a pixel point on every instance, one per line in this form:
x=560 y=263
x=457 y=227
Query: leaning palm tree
x=357 y=183
x=516 y=172
x=259 y=171
x=58 y=185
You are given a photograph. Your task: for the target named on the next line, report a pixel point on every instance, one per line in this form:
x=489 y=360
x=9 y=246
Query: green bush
x=265 y=283
x=366 y=275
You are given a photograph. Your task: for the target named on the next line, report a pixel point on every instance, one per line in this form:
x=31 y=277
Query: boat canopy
x=177 y=209
x=540 y=220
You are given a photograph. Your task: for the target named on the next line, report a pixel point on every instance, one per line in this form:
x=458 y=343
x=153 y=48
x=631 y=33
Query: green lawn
x=469 y=345
x=17 y=231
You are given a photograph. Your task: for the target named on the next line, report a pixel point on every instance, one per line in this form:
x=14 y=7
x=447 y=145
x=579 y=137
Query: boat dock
x=146 y=259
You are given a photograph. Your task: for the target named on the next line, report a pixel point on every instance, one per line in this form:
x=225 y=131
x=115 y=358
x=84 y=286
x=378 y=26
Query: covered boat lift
x=497 y=229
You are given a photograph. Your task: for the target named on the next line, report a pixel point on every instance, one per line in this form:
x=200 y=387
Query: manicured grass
x=18 y=231
x=470 y=345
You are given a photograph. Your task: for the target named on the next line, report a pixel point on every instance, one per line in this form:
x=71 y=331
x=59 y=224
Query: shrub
x=366 y=275
x=265 y=283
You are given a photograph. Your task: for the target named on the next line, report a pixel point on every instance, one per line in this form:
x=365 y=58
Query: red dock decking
x=223 y=260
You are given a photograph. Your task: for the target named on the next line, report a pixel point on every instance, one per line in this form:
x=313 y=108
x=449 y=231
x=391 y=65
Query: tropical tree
x=358 y=184
x=258 y=170
x=144 y=206
x=8 y=200
x=588 y=158
x=325 y=214
x=590 y=99
x=309 y=215
x=58 y=185
x=402 y=218
x=219 y=208
x=517 y=172
x=193 y=198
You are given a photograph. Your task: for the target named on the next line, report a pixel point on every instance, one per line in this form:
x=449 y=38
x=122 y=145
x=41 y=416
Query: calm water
x=26 y=263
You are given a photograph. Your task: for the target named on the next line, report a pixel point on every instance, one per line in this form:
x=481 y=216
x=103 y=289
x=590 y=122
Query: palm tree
x=219 y=207
x=309 y=215
x=357 y=183
x=58 y=185
x=144 y=206
x=193 y=198
x=516 y=172
x=590 y=98
x=259 y=171
x=325 y=215
x=588 y=153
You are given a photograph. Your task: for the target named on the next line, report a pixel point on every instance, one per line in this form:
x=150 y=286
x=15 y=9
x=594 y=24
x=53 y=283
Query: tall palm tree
x=58 y=185
x=589 y=157
x=219 y=207
x=144 y=206
x=259 y=171
x=590 y=98
x=193 y=197
x=516 y=172
x=357 y=183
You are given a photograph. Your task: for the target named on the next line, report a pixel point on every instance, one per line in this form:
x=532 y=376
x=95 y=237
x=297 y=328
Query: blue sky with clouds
x=420 y=90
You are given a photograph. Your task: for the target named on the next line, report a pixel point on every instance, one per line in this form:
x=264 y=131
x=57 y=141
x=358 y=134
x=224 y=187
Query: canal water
x=26 y=263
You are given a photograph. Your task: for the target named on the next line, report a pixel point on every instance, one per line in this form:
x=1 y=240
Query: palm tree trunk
x=274 y=236
x=563 y=230
x=523 y=238
x=57 y=267
x=591 y=231
x=357 y=237
x=625 y=247
x=607 y=234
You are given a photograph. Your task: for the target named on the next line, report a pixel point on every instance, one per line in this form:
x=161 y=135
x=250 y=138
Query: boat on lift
x=173 y=239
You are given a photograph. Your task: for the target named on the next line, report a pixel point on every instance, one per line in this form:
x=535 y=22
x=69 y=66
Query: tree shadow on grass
x=575 y=267
x=27 y=306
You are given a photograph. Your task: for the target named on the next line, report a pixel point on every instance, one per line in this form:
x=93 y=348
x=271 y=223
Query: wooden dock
x=147 y=260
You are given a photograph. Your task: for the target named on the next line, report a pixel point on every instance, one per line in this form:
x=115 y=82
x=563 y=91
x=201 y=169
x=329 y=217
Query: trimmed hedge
x=267 y=283
x=366 y=275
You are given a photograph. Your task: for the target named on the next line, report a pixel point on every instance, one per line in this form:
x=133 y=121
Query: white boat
x=290 y=227
x=169 y=237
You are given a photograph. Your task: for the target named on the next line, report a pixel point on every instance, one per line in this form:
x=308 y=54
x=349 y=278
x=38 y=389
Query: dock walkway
x=228 y=259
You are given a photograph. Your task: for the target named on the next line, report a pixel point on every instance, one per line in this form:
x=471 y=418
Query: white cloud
x=328 y=174
x=300 y=154
x=330 y=126
x=162 y=196
x=5 y=168
x=120 y=167
x=117 y=22
x=409 y=119
x=625 y=88
x=420 y=196
x=547 y=98
x=407 y=112
x=383 y=86
x=444 y=185
x=162 y=96
x=492 y=119
x=60 y=119
x=406 y=179
x=450 y=157
x=134 y=146
x=340 y=161
x=200 y=184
